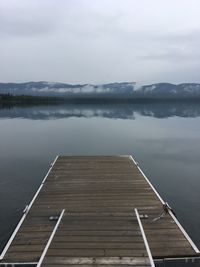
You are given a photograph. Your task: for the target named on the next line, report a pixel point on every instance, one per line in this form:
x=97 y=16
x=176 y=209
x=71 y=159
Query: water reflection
x=168 y=150
x=114 y=111
x=187 y=262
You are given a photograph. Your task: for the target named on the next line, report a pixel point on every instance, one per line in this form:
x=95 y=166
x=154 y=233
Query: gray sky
x=99 y=41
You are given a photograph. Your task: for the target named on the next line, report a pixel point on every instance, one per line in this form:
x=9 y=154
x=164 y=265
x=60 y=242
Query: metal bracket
x=53 y=218
x=166 y=210
x=25 y=209
x=144 y=216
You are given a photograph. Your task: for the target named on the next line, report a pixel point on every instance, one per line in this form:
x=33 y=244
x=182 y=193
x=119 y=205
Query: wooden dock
x=96 y=210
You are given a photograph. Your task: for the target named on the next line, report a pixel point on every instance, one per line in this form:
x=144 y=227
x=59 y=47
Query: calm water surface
x=163 y=138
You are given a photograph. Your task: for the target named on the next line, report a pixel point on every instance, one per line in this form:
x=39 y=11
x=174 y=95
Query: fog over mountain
x=115 y=90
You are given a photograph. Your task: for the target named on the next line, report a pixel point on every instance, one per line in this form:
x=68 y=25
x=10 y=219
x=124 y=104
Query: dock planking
x=99 y=226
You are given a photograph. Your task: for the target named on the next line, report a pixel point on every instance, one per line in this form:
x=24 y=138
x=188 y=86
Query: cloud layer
x=98 y=41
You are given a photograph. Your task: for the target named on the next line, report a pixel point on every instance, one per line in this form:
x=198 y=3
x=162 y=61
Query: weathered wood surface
x=90 y=249
x=99 y=195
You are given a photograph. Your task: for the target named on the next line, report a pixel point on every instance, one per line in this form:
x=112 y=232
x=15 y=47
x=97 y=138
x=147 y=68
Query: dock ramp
x=96 y=210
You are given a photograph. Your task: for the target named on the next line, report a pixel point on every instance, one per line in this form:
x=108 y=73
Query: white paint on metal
x=50 y=239
x=52 y=164
x=26 y=210
x=184 y=232
x=16 y=263
x=144 y=238
x=163 y=202
x=12 y=237
x=179 y=259
x=160 y=198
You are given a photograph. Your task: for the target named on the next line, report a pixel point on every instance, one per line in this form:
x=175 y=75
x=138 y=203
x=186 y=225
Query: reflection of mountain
x=115 y=111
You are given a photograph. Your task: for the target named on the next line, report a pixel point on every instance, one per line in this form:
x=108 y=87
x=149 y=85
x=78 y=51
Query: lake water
x=164 y=138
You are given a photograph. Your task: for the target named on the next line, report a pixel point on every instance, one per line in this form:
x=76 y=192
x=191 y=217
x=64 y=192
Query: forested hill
x=114 y=90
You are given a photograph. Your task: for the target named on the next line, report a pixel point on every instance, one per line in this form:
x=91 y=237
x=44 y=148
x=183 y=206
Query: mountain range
x=113 y=90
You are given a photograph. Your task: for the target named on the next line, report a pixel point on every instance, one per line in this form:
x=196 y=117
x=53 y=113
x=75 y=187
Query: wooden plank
x=108 y=261
x=102 y=265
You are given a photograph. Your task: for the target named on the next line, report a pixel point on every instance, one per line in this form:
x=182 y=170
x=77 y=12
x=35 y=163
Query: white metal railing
x=145 y=239
x=50 y=239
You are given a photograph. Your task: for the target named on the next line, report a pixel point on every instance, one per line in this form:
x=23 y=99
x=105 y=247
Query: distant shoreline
x=12 y=100
x=26 y=99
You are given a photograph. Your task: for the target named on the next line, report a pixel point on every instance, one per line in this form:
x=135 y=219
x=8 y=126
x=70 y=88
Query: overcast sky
x=99 y=41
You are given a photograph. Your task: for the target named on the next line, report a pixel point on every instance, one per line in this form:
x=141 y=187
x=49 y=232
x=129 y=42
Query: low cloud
x=99 y=41
x=28 y=18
